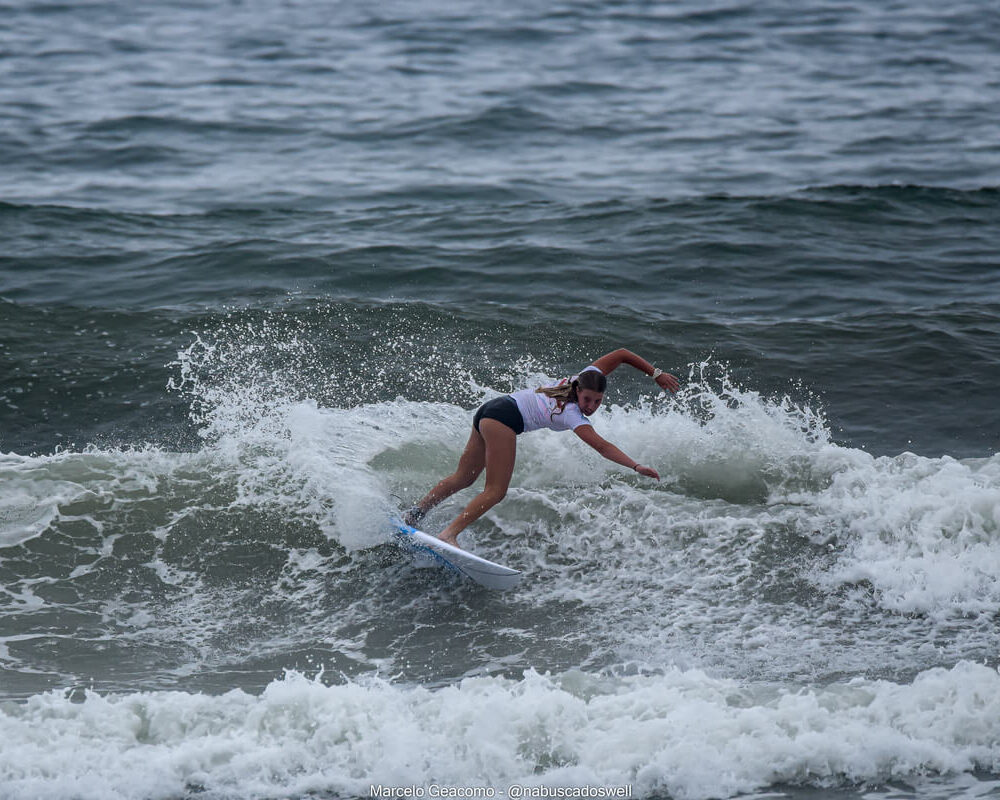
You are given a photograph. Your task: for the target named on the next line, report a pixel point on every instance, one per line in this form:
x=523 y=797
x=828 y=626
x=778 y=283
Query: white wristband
x=657 y=372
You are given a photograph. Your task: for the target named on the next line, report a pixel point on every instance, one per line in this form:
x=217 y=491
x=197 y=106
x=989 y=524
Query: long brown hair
x=565 y=391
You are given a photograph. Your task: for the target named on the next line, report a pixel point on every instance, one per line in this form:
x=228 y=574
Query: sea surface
x=260 y=260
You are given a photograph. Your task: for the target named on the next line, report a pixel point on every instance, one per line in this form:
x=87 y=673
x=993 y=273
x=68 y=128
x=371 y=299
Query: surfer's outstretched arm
x=611 y=452
x=609 y=362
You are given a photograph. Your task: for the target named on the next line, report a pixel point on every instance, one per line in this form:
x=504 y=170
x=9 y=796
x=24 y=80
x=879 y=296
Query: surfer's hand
x=667 y=381
x=647 y=471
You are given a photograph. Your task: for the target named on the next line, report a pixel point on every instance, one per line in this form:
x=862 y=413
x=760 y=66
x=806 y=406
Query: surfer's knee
x=494 y=494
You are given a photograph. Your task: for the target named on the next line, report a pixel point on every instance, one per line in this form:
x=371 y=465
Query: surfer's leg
x=501 y=449
x=470 y=465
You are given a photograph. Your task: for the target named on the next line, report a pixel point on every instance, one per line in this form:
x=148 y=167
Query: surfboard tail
x=482 y=571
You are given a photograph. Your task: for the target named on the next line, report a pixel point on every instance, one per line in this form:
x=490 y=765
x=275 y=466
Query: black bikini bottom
x=502 y=409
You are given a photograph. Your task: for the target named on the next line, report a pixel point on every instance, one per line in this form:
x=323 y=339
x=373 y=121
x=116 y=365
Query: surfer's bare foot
x=452 y=540
x=413 y=516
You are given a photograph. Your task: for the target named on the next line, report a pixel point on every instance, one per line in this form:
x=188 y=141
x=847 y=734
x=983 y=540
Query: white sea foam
x=682 y=733
x=924 y=532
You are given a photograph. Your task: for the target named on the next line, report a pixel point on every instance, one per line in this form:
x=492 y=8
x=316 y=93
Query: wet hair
x=566 y=391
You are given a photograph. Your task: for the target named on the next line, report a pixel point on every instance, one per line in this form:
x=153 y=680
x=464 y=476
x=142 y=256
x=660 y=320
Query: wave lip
x=683 y=733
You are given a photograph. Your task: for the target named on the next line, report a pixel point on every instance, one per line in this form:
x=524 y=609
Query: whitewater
x=779 y=609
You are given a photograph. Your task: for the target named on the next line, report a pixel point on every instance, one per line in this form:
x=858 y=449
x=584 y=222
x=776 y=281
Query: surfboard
x=485 y=573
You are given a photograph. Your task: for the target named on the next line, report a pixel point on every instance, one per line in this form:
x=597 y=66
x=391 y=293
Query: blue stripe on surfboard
x=405 y=536
x=481 y=570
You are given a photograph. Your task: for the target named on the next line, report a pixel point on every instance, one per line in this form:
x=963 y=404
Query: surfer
x=492 y=444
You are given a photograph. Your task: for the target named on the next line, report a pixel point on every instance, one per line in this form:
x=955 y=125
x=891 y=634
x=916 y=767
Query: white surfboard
x=485 y=573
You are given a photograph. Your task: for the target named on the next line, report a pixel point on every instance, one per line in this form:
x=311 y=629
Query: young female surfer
x=492 y=444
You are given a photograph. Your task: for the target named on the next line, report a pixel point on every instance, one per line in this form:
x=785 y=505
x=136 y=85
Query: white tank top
x=539 y=411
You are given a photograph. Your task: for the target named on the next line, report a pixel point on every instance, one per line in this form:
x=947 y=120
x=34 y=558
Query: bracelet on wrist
x=657 y=372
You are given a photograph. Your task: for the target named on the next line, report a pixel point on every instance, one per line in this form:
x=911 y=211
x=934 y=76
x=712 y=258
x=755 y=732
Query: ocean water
x=260 y=260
